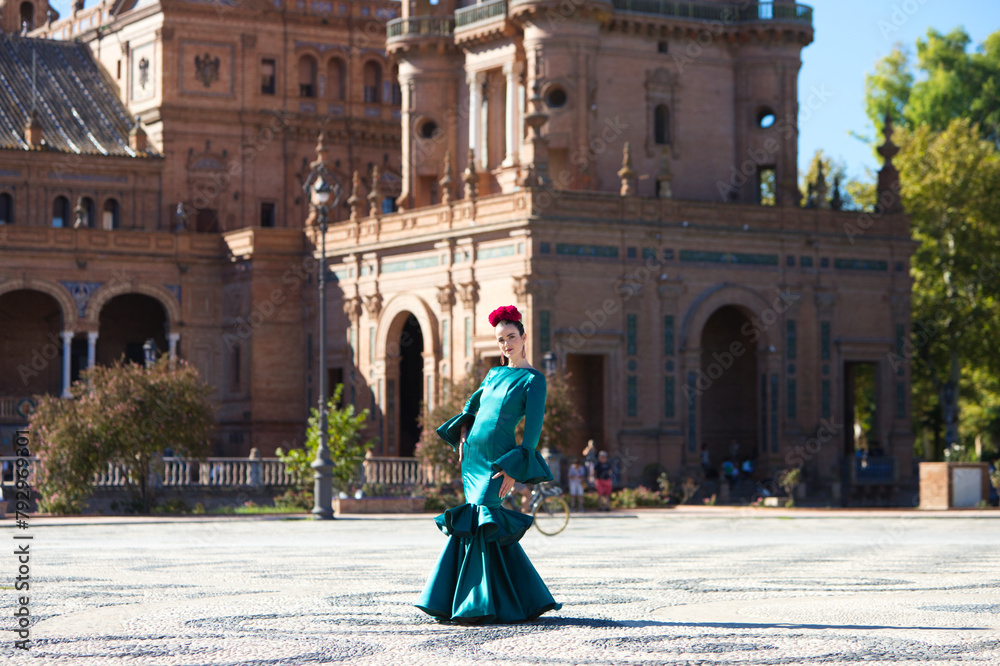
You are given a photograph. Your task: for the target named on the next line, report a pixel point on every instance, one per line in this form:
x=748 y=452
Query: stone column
x=512 y=71
x=475 y=81
x=172 y=340
x=67 y=338
x=91 y=348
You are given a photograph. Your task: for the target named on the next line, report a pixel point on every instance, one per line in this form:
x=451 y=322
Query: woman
x=483 y=575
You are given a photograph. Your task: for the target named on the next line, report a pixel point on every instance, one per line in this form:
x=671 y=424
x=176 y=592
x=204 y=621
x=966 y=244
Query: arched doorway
x=30 y=344
x=729 y=403
x=126 y=322
x=411 y=385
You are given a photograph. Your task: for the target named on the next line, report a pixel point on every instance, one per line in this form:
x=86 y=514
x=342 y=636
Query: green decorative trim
x=633 y=395
x=597 y=251
x=631 y=324
x=669 y=410
x=544 y=331
x=740 y=258
x=495 y=252
x=411 y=264
x=861 y=264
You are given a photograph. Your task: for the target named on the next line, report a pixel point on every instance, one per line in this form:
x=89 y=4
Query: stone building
x=624 y=172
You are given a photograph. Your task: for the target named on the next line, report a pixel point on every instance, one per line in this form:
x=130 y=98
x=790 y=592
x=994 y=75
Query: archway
x=411 y=385
x=30 y=343
x=729 y=397
x=126 y=322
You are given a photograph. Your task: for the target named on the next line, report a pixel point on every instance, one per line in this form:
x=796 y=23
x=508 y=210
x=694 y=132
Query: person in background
x=577 y=473
x=602 y=480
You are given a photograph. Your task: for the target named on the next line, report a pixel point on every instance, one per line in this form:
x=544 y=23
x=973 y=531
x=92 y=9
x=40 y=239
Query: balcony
x=419 y=27
x=727 y=14
x=480 y=13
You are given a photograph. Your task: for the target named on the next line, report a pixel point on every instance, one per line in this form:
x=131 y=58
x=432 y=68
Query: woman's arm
x=534 y=411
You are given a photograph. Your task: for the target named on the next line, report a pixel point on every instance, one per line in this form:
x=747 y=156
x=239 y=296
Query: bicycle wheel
x=551 y=515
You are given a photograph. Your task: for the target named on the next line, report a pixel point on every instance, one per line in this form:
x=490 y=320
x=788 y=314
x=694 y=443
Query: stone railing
x=420 y=26
x=244 y=472
x=704 y=11
x=399 y=472
x=484 y=11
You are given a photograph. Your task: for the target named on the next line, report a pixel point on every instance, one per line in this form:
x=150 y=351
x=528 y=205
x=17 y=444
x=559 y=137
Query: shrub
x=623 y=499
x=124 y=415
x=442 y=498
x=347 y=451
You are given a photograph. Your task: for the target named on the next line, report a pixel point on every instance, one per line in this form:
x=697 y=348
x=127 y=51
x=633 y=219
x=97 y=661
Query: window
x=268 y=72
x=632 y=396
x=60 y=212
x=267 y=214
x=824 y=340
x=110 y=219
x=765 y=185
x=389 y=205
x=427 y=129
x=544 y=331
x=335 y=79
x=87 y=211
x=6 y=208
x=790 y=340
x=28 y=14
x=668 y=397
x=662 y=47
x=307 y=76
x=556 y=97
x=765 y=118
x=661 y=125
x=234 y=369
x=668 y=335
x=207 y=221
x=373 y=82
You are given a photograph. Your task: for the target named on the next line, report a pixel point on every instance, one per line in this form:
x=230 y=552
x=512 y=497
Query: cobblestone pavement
x=656 y=587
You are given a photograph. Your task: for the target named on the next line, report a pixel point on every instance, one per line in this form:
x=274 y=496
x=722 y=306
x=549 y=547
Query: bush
x=295 y=500
x=125 y=415
x=623 y=499
x=347 y=451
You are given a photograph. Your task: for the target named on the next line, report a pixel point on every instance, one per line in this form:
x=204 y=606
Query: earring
x=524 y=354
x=503 y=359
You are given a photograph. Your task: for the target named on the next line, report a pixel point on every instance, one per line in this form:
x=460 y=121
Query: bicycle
x=547 y=506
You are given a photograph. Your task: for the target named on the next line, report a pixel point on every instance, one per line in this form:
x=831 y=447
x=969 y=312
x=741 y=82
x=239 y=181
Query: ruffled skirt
x=483 y=575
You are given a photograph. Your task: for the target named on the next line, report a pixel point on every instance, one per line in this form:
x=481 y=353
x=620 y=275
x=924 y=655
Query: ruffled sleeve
x=451 y=430
x=524 y=462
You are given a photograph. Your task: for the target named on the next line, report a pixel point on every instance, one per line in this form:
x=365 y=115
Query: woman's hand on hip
x=506 y=485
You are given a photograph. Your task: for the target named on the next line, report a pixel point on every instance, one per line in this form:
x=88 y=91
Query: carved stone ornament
x=446 y=296
x=206 y=68
x=373 y=304
x=352 y=308
x=469 y=292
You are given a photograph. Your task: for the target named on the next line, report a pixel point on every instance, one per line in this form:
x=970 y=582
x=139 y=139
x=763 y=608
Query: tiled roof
x=76 y=105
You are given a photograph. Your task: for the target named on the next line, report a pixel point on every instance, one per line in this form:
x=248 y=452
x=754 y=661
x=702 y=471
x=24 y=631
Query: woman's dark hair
x=518 y=325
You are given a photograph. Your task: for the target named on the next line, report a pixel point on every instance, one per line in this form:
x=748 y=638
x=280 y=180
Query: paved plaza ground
x=699 y=586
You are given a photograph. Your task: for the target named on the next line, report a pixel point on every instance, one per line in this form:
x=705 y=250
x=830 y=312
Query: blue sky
x=851 y=35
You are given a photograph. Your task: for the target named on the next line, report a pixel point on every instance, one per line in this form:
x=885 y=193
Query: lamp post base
x=323 y=495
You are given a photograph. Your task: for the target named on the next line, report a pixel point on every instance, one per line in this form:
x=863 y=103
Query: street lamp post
x=149 y=352
x=319 y=191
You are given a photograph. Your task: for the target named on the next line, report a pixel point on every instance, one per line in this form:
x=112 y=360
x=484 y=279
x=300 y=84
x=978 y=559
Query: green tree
x=951 y=189
x=347 y=451
x=124 y=416
x=952 y=83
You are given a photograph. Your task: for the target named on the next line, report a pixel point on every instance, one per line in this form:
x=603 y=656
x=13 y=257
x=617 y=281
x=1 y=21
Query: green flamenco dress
x=483 y=575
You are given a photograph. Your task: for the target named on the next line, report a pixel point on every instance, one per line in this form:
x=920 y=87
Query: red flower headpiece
x=504 y=313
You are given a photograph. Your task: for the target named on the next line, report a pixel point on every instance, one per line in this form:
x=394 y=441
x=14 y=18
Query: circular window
x=765 y=118
x=427 y=129
x=555 y=97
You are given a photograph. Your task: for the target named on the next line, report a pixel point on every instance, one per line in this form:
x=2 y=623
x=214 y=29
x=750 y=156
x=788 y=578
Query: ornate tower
x=767 y=59
x=422 y=43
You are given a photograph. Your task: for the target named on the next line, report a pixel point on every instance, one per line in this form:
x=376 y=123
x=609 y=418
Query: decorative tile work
x=411 y=264
x=739 y=258
x=631 y=324
x=633 y=395
x=81 y=293
x=861 y=264
x=495 y=252
x=669 y=411
x=596 y=251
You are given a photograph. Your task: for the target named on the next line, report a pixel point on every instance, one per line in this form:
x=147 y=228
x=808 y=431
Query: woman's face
x=510 y=341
